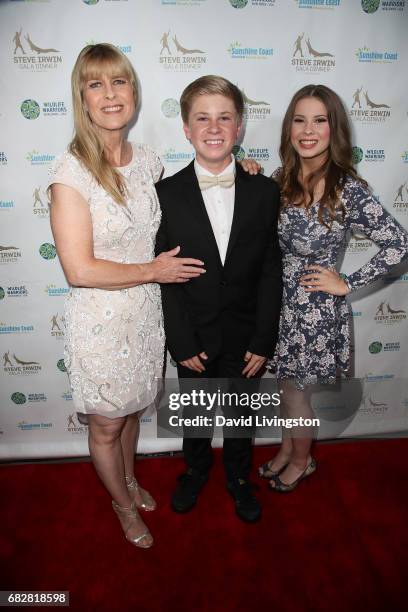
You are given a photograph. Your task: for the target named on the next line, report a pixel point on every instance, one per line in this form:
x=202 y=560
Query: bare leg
x=297 y=404
x=284 y=453
x=129 y=438
x=107 y=456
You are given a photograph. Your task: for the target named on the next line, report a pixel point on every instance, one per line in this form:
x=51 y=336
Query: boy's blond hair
x=213 y=85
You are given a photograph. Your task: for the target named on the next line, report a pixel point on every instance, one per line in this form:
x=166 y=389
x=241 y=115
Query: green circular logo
x=30 y=109
x=61 y=365
x=170 y=108
x=357 y=155
x=18 y=398
x=239 y=3
x=370 y=6
x=2 y=294
x=375 y=347
x=90 y=2
x=238 y=152
x=47 y=250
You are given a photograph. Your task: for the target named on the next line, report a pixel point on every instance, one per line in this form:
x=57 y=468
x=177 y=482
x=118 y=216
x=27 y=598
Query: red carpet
x=339 y=542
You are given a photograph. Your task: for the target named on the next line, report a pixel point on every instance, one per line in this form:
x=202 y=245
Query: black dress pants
x=237 y=451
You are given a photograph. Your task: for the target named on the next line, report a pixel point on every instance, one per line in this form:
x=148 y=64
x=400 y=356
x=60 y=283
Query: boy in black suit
x=223 y=324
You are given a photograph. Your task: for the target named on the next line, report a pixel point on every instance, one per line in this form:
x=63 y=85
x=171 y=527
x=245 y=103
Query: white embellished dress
x=114 y=340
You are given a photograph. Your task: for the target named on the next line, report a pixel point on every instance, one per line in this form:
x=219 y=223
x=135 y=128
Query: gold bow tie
x=224 y=180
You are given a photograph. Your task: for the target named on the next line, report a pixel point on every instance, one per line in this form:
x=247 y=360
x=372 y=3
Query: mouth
x=214 y=142
x=308 y=143
x=112 y=109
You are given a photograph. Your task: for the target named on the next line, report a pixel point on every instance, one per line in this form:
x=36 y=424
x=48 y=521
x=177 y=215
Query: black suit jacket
x=231 y=308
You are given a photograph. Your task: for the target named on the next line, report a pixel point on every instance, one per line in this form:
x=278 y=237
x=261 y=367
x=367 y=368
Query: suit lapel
x=242 y=207
x=197 y=207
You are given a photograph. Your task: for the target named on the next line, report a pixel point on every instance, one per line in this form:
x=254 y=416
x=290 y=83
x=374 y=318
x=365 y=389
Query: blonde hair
x=210 y=84
x=87 y=145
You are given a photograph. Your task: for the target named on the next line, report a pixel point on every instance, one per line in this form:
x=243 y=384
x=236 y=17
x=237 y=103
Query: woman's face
x=310 y=131
x=109 y=102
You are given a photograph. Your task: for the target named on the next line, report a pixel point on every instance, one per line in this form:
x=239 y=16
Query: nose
x=213 y=126
x=308 y=127
x=109 y=93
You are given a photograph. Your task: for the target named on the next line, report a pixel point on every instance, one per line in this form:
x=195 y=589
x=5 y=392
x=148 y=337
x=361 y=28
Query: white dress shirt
x=219 y=203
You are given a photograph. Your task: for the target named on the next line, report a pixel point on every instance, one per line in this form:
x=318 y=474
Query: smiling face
x=212 y=128
x=109 y=101
x=310 y=131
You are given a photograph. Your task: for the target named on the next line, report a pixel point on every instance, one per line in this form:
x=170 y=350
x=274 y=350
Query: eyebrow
x=205 y=113
x=314 y=116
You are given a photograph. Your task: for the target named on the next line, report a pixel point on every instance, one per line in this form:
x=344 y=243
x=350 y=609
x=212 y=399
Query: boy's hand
x=251 y=166
x=254 y=364
x=195 y=363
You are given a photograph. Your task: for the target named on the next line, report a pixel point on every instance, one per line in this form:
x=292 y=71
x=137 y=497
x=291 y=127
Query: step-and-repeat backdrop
x=269 y=48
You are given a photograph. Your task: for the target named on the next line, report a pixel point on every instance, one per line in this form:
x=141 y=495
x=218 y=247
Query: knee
x=105 y=431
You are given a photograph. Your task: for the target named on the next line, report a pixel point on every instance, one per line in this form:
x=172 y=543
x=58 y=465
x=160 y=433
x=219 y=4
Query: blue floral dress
x=314 y=334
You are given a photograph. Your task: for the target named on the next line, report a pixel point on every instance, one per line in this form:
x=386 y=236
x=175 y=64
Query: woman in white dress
x=104 y=217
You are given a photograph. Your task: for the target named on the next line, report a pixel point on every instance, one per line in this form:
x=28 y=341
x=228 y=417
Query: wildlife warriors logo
x=372 y=6
x=30 y=109
x=9 y=254
x=15 y=366
x=61 y=365
x=27 y=55
x=255 y=109
x=388 y=315
x=57 y=326
x=305 y=58
x=238 y=4
x=400 y=203
x=40 y=203
x=175 y=56
x=366 y=110
x=47 y=251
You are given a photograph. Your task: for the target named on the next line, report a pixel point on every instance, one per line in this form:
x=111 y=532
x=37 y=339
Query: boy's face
x=212 y=128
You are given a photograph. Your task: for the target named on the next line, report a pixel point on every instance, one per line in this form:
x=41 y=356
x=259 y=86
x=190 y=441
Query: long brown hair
x=334 y=170
x=87 y=145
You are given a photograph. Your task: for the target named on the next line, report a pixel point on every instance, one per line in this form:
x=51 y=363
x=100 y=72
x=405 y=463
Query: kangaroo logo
x=315 y=53
x=179 y=47
x=24 y=363
x=392 y=311
x=38 y=50
x=250 y=102
x=183 y=50
x=8 y=248
x=372 y=104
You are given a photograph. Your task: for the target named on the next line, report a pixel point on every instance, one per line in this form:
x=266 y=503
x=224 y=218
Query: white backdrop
x=269 y=48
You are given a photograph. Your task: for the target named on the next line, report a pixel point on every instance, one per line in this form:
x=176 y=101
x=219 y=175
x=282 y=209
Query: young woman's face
x=109 y=102
x=310 y=132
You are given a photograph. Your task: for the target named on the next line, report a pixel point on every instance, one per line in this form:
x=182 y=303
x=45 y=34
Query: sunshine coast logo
x=47 y=251
x=255 y=110
x=318 y=4
x=40 y=203
x=400 y=203
x=379 y=57
x=372 y=6
x=3 y=158
x=54 y=291
x=237 y=50
x=30 y=109
x=9 y=254
x=171 y=156
x=57 y=326
x=24 y=426
x=16 y=329
x=32 y=398
x=6 y=204
x=35 y=158
x=175 y=56
x=170 y=108
x=404 y=157
x=66 y=396
x=390 y=279
x=15 y=366
x=183 y=2
x=306 y=58
x=365 y=110
x=74 y=426
x=387 y=315
x=27 y=55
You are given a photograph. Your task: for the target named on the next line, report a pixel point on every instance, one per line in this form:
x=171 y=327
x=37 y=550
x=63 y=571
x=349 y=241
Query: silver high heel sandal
x=148 y=502
x=133 y=515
